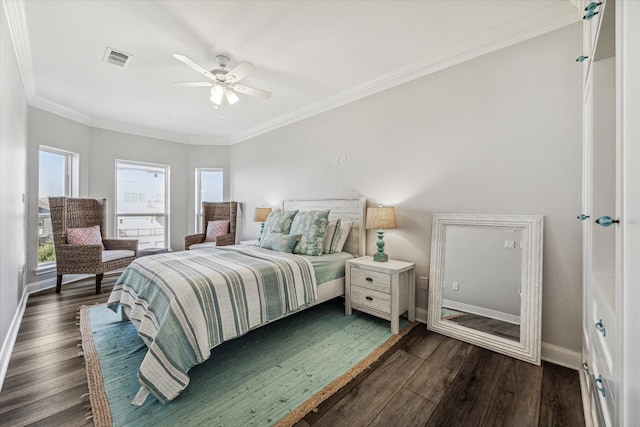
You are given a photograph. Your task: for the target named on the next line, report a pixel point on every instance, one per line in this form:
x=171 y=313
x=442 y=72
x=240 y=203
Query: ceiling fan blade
x=240 y=72
x=199 y=68
x=194 y=84
x=247 y=90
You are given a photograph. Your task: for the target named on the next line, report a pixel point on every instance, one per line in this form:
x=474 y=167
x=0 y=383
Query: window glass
x=54 y=179
x=142 y=208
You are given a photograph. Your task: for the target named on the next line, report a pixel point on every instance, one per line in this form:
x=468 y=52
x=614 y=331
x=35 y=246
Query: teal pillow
x=312 y=228
x=278 y=222
x=279 y=242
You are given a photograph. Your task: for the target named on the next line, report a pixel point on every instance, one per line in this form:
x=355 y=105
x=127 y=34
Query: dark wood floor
x=429 y=380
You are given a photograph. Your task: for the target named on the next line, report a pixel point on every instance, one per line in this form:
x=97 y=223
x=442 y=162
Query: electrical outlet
x=343 y=160
x=423 y=282
x=456 y=286
x=510 y=244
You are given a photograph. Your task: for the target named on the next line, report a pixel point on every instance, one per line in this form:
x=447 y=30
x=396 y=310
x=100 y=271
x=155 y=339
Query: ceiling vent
x=119 y=59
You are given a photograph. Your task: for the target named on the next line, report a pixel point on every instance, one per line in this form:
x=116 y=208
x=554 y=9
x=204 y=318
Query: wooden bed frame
x=349 y=209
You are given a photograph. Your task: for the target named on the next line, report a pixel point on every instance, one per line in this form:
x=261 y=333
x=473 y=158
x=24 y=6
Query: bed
x=184 y=304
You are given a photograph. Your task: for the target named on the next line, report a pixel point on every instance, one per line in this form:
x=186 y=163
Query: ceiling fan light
x=232 y=98
x=216 y=95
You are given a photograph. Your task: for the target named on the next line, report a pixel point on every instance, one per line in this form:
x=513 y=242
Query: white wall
x=13 y=178
x=64 y=134
x=498 y=134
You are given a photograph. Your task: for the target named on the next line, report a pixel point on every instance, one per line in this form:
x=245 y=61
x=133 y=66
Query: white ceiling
x=312 y=55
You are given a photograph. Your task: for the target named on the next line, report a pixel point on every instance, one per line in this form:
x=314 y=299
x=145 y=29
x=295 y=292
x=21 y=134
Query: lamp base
x=380 y=257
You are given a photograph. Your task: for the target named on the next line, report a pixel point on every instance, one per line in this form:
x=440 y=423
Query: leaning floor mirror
x=486 y=281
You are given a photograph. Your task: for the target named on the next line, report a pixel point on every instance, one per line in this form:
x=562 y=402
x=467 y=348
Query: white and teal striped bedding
x=183 y=304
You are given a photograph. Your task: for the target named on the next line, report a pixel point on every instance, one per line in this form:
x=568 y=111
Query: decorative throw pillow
x=215 y=229
x=312 y=227
x=340 y=238
x=84 y=236
x=328 y=238
x=278 y=222
x=279 y=242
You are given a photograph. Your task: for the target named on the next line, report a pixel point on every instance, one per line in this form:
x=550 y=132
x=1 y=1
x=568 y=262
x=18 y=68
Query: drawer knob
x=581 y=58
x=582 y=217
x=589 y=15
x=600 y=327
x=599 y=386
x=585 y=367
x=592 y=6
x=606 y=221
x=369 y=298
x=369 y=279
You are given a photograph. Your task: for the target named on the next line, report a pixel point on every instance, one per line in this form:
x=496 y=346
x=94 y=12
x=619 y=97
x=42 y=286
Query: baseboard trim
x=421 y=315
x=10 y=340
x=561 y=356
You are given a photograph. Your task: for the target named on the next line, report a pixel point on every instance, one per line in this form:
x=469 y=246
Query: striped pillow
x=84 y=236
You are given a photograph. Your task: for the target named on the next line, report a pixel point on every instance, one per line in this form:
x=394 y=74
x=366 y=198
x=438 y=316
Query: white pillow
x=340 y=238
x=328 y=238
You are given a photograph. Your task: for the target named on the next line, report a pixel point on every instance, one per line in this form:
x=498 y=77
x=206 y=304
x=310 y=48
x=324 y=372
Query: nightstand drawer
x=371 y=279
x=373 y=300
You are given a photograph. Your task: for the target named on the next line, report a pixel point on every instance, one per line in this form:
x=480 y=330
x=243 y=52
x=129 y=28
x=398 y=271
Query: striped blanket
x=184 y=304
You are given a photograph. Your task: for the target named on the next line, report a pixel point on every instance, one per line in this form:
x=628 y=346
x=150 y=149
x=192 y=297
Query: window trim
x=198 y=195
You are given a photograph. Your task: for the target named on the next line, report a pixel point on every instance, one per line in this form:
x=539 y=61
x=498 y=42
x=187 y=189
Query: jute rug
x=274 y=375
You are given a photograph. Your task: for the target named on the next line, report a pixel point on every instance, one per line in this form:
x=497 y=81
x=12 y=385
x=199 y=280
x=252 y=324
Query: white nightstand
x=383 y=289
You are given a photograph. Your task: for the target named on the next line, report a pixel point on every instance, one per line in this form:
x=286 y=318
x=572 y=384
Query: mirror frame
x=528 y=348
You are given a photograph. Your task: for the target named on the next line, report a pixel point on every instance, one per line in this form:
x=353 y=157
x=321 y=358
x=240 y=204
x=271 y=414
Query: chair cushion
x=117 y=254
x=84 y=236
x=215 y=229
x=203 y=245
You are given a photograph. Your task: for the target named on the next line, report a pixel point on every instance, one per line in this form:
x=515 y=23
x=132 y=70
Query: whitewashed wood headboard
x=349 y=209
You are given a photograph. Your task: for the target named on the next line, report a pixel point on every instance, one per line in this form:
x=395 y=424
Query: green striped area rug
x=272 y=375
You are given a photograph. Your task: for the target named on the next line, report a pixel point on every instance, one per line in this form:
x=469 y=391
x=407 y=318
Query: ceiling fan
x=223 y=83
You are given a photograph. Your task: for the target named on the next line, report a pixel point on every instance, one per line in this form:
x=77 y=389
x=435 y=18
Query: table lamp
x=380 y=218
x=260 y=215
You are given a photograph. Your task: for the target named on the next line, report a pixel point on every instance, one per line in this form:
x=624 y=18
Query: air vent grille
x=117 y=58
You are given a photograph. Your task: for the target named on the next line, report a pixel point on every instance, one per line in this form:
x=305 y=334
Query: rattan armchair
x=69 y=212
x=214 y=211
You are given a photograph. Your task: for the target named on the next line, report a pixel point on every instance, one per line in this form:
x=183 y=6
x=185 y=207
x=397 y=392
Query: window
x=54 y=179
x=208 y=189
x=142 y=203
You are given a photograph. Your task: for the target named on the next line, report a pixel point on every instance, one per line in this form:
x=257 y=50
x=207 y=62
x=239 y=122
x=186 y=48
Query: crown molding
x=17 y=23
x=130 y=129
x=555 y=16
x=59 y=110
